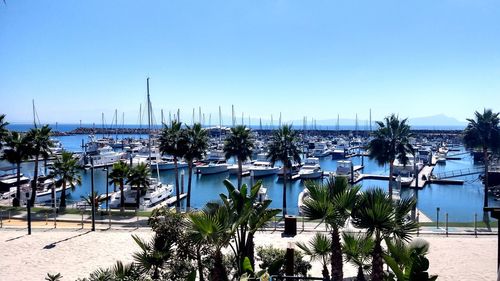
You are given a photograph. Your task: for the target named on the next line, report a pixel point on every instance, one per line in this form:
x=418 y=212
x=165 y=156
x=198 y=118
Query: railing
x=459 y=173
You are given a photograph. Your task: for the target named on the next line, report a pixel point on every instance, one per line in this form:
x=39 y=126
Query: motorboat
x=311 y=169
x=320 y=150
x=344 y=167
x=262 y=169
x=212 y=168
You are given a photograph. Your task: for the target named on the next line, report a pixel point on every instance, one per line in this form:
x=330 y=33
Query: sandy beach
x=76 y=253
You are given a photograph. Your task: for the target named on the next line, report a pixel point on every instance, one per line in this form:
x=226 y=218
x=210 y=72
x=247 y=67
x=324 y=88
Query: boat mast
x=220 y=124
x=34 y=113
x=149 y=123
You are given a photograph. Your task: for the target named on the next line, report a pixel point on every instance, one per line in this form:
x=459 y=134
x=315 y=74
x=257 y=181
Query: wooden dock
x=422 y=181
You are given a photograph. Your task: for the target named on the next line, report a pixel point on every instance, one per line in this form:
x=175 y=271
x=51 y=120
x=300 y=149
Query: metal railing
x=459 y=173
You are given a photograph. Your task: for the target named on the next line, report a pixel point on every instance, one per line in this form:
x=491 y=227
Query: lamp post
x=92 y=193
x=107 y=187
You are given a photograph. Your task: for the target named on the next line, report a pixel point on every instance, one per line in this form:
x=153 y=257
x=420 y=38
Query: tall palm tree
x=483 y=132
x=332 y=202
x=172 y=143
x=239 y=144
x=284 y=148
x=319 y=249
x=391 y=141
x=196 y=144
x=18 y=150
x=65 y=170
x=40 y=143
x=213 y=227
x=382 y=218
x=139 y=177
x=357 y=249
x=3 y=129
x=117 y=177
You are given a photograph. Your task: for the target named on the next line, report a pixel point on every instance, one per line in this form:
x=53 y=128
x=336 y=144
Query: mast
x=242 y=116
x=149 y=123
x=370 y=119
x=140 y=121
x=338 y=116
x=116 y=124
x=123 y=124
x=162 y=119
x=34 y=113
x=178 y=115
x=199 y=114
x=102 y=120
x=232 y=116
x=220 y=124
x=279 y=123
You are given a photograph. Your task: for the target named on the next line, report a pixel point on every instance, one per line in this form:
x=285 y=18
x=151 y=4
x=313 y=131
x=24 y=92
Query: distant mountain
x=436 y=120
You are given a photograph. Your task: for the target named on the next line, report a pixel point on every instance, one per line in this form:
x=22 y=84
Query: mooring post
x=437 y=217
x=475 y=224
x=446 y=224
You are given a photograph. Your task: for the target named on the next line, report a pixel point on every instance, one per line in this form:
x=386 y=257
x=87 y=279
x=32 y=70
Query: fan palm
x=319 y=249
x=213 y=227
x=382 y=218
x=196 y=141
x=283 y=147
x=139 y=177
x=357 y=249
x=391 y=141
x=153 y=255
x=40 y=143
x=173 y=143
x=239 y=144
x=92 y=199
x=65 y=170
x=332 y=202
x=18 y=150
x=118 y=177
x=3 y=129
x=483 y=132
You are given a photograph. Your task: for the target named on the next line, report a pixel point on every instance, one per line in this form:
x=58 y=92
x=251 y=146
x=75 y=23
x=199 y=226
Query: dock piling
x=475 y=224
x=446 y=224
x=437 y=217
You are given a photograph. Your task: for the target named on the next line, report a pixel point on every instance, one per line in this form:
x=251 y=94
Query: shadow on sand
x=52 y=245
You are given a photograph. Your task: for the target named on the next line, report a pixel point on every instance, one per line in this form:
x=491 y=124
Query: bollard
x=9 y=216
x=109 y=218
x=46 y=219
x=1 y=219
x=137 y=221
x=475 y=224
x=437 y=217
x=446 y=224
x=82 y=219
x=275 y=223
x=418 y=225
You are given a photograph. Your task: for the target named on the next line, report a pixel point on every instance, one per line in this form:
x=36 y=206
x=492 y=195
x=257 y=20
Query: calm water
x=460 y=201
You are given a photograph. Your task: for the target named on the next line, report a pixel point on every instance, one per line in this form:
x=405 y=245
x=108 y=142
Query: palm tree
x=376 y=212
x=118 y=177
x=249 y=216
x=40 y=143
x=213 y=227
x=196 y=141
x=153 y=255
x=239 y=144
x=319 y=249
x=332 y=202
x=283 y=147
x=18 y=150
x=65 y=169
x=3 y=129
x=92 y=199
x=483 y=133
x=391 y=141
x=139 y=177
x=357 y=249
x=172 y=143
x=407 y=260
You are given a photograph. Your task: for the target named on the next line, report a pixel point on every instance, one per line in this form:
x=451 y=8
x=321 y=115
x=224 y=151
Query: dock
x=423 y=176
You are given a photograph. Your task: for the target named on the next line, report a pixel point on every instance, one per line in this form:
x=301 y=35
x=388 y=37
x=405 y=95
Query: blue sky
x=302 y=58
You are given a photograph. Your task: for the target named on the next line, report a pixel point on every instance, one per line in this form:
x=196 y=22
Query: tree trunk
x=377 y=262
x=137 y=197
x=325 y=272
x=17 y=199
x=486 y=162
x=63 y=195
x=177 y=192
x=218 y=272
x=122 y=198
x=336 y=260
x=391 y=170
x=190 y=175
x=34 y=183
x=284 y=190
x=200 y=264
x=361 y=275
x=240 y=170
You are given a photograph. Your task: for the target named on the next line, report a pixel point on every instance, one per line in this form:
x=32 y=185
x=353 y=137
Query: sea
x=460 y=202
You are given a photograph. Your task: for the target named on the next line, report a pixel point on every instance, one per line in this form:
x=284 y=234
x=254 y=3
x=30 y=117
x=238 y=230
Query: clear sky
x=302 y=58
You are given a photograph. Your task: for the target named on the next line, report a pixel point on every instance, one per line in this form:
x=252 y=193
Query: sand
x=76 y=253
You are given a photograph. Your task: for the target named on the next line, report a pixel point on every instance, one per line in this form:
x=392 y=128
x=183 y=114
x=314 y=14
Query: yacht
x=263 y=169
x=344 y=167
x=167 y=163
x=321 y=150
x=212 y=168
x=156 y=193
x=311 y=169
x=410 y=166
